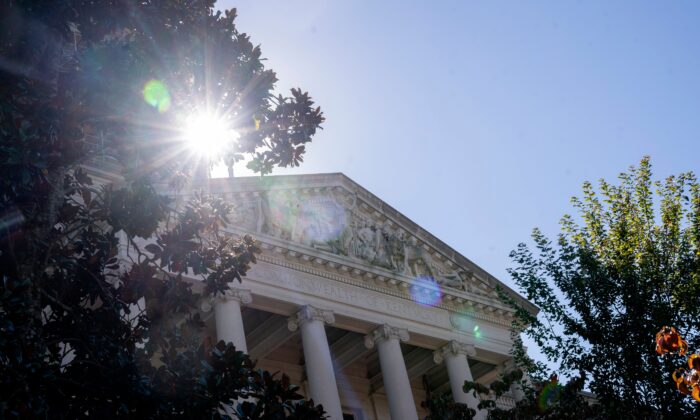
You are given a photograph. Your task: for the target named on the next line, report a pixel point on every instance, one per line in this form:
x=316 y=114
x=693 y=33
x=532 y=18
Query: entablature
x=327 y=219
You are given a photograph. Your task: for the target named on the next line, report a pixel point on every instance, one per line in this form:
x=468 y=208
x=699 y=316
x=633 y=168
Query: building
x=356 y=303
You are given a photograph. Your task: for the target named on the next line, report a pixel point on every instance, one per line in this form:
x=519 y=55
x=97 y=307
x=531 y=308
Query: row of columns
x=323 y=387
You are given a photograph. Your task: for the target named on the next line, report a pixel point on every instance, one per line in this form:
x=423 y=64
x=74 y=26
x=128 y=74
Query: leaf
x=154 y=249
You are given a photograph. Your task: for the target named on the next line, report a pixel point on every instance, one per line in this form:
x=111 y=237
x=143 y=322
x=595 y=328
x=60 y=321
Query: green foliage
x=542 y=400
x=443 y=407
x=96 y=317
x=629 y=264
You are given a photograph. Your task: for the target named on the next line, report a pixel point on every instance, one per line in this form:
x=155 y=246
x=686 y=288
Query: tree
x=628 y=265
x=96 y=316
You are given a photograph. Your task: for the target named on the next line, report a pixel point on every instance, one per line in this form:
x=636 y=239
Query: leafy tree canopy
x=97 y=318
x=628 y=264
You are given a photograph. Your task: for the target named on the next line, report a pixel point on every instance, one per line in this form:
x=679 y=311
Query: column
x=396 y=383
x=227 y=314
x=516 y=390
x=455 y=356
x=317 y=357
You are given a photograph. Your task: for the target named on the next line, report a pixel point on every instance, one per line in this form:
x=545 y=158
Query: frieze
x=455 y=306
x=358 y=298
x=340 y=223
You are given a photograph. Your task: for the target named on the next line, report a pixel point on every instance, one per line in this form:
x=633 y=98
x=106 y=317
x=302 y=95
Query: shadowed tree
x=97 y=318
x=627 y=265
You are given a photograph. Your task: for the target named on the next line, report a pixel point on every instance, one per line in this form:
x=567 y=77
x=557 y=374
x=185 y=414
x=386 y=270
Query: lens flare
x=477 y=331
x=156 y=94
x=319 y=222
x=208 y=135
x=549 y=396
x=426 y=291
x=284 y=211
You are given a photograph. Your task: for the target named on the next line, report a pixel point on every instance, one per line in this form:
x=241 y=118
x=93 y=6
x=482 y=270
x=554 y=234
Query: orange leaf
x=678 y=375
x=683 y=388
x=696 y=394
x=694 y=361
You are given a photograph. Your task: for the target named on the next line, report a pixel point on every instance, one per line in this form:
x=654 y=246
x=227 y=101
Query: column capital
x=243 y=296
x=385 y=332
x=309 y=313
x=453 y=348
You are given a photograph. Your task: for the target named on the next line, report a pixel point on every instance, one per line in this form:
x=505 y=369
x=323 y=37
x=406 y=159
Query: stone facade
x=356 y=302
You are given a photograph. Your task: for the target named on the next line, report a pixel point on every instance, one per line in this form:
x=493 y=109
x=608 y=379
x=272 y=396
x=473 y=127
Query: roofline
x=344 y=181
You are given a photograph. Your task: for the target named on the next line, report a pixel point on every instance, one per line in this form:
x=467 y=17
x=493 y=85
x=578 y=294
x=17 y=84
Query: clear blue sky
x=479 y=120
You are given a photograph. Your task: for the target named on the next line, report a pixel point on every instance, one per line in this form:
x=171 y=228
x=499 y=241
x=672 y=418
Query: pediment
x=330 y=215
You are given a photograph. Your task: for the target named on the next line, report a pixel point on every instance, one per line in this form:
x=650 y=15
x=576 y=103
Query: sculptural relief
x=247 y=214
x=322 y=222
x=382 y=247
x=455 y=279
x=397 y=252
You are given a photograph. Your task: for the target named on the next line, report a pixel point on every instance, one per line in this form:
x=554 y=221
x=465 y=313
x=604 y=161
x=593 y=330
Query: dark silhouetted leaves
x=98 y=316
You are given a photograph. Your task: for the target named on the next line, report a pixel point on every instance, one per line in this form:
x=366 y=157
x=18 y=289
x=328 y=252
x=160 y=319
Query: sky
x=479 y=120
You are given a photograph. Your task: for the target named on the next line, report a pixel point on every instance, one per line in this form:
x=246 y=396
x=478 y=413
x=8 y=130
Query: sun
x=208 y=135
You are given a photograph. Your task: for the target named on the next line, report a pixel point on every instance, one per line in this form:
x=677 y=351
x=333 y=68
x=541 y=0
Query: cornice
x=455 y=302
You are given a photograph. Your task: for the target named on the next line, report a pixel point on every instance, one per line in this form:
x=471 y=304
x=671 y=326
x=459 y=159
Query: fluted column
x=455 y=356
x=317 y=357
x=396 y=383
x=227 y=314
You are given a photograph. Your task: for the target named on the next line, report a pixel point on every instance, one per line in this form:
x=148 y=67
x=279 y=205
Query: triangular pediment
x=331 y=215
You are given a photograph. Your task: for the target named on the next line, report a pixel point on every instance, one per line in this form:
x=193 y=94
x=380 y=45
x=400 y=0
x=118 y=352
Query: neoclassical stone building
x=356 y=303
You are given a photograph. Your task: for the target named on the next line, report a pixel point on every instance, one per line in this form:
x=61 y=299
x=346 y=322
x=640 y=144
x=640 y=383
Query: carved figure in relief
x=417 y=260
x=366 y=242
x=457 y=279
x=280 y=215
x=266 y=216
x=259 y=216
x=323 y=223
x=397 y=253
x=381 y=242
x=421 y=269
x=245 y=214
x=349 y=239
x=240 y=214
x=474 y=286
x=306 y=228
